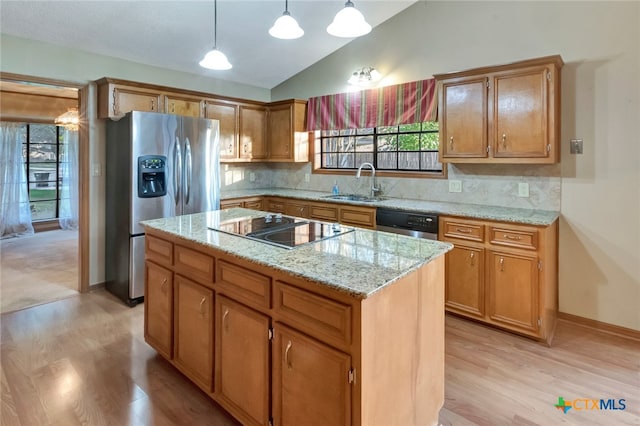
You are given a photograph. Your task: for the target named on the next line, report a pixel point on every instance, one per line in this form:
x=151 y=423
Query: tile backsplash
x=487 y=184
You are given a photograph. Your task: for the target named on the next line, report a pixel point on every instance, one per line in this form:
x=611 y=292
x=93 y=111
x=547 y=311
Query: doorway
x=51 y=263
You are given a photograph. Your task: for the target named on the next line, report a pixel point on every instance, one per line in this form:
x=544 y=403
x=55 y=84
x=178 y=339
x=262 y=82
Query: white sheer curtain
x=69 y=174
x=15 y=211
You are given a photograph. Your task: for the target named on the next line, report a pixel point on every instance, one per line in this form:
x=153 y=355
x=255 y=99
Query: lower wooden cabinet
x=503 y=274
x=464 y=291
x=158 y=314
x=513 y=291
x=242 y=361
x=309 y=386
x=193 y=321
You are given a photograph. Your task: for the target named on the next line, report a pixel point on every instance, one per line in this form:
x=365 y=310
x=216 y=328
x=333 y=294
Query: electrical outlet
x=252 y=177
x=455 y=186
x=96 y=169
x=523 y=189
x=576 y=146
x=307 y=177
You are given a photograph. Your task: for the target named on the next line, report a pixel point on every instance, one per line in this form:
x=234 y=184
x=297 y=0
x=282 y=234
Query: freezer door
x=153 y=134
x=136 y=267
x=201 y=184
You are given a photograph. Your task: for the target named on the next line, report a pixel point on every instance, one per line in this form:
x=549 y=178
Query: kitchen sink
x=354 y=197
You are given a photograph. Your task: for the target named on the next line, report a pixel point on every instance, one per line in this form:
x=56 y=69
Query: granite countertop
x=358 y=263
x=476 y=211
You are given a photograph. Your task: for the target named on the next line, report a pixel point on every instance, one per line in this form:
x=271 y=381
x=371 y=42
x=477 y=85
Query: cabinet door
x=520 y=113
x=194 y=331
x=310 y=381
x=158 y=308
x=463 y=122
x=182 y=106
x=253 y=127
x=254 y=204
x=127 y=99
x=227 y=115
x=464 y=287
x=513 y=291
x=297 y=208
x=242 y=361
x=280 y=134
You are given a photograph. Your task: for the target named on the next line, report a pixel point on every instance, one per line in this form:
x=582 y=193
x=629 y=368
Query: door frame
x=83 y=165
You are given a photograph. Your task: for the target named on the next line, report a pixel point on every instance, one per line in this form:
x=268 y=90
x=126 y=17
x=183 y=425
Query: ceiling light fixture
x=364 y=76
x=215 y=59
x=349 y=22
x=69 y=119
x=286 y=27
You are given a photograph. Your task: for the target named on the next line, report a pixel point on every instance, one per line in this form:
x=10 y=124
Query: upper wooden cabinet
x=227 y=114
x=183 y=105
x=287 y=134
x=253 y=129
x=115 y=100
x=502 y=114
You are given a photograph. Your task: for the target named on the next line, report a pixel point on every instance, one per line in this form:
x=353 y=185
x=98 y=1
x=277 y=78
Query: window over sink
x=406 y=148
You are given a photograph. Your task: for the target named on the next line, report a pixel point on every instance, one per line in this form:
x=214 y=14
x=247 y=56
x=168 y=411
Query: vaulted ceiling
x=176 y=34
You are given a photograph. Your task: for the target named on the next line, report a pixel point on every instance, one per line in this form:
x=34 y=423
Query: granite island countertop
x=474 y=211
x=359 y=263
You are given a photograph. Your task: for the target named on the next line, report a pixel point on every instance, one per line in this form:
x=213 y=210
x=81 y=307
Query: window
x=406 y=148
x=42 y=147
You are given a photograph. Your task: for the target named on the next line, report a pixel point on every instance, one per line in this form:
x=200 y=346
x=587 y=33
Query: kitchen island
x=348 y=330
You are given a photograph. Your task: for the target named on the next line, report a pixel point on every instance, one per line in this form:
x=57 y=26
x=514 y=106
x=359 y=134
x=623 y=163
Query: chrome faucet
x=374 y=188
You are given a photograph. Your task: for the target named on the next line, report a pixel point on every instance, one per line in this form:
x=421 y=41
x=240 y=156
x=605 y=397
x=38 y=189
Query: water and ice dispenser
x=152 y=175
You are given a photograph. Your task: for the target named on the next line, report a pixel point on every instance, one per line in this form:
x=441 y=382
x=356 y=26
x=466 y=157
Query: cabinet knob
x=451 y=143
x=504 y=140
x=204 y=299
x=472 y=256
x=163 y=286
x=225 y=325
x=153 y=105
x=512 y=237
x=502 y=264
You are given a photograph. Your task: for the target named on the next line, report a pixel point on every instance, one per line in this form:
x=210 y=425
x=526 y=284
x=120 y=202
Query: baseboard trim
x=629 y=333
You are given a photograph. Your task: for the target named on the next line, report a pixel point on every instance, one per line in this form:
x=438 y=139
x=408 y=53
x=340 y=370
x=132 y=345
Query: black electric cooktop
x=282 y=231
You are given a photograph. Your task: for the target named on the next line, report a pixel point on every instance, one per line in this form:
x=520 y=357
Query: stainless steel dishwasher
x=419 y=225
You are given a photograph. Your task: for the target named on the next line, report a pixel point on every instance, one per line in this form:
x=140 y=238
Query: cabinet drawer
x=253 y=204
x=323 y=212
x=521 y=238
x=244 y=285
x=464 y=230
x=320 y=317
x=159 y=250
x=360 y=217
x=299 y=210
x=194 y=264
x=276 y=206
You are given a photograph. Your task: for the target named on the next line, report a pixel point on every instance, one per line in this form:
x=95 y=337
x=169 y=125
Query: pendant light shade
x=349 y=22
x=215 y=59
x=286 y=27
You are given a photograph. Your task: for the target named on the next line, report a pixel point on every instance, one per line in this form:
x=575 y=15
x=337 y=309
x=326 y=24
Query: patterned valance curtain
x=406 y=103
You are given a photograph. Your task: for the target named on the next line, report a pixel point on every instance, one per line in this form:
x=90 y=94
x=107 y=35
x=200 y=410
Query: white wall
x=600 y=190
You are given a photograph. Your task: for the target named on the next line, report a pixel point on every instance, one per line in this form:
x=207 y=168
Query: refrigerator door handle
x=177 y=170
x=188 y=168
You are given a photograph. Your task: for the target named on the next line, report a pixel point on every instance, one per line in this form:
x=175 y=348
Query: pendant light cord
x=215 y=24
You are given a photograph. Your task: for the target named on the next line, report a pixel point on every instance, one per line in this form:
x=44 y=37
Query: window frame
x=316 y=145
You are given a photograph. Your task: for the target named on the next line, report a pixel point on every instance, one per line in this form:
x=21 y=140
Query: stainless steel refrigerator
x=157 y=165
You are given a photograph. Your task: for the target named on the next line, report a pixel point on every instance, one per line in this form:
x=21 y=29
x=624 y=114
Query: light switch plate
x=96 y=169
x=252 y=177
x=307 y=177
x=523 y=189
x=455 y=186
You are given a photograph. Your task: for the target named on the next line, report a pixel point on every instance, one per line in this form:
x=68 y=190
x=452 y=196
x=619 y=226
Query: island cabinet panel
x=193 y=322
x=501 y=114
x=194 y=264
x=158 y=313
x=158 y=250
x=244 y=285
x=324 y=318
x=310 y=381
x=503 y=274
x=242 y=361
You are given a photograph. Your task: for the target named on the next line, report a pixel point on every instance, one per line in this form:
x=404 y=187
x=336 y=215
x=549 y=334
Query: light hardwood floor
x=83 y=360
x=38 y=268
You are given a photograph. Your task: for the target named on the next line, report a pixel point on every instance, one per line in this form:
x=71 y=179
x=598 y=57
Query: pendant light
x=349 y=22
x=215 y=59
x=286 y=27
x=364 y=77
